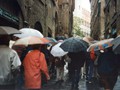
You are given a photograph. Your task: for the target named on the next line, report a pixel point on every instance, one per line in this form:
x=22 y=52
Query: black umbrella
x=73 y=45
x=116 y=45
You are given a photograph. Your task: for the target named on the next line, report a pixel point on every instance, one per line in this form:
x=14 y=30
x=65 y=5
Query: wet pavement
x=51 y=85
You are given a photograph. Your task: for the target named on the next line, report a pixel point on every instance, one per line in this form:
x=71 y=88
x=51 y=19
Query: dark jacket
x=77 y=60
x=107 y=62
x=59 y=61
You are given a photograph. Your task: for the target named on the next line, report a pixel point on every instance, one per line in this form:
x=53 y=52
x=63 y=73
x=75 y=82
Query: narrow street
x=82 y=85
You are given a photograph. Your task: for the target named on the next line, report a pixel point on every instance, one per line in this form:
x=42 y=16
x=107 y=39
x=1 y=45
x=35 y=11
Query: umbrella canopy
x=73 y=45
x=46 y=41
x=88 y=39
x=100 y=45
x=26 y=32
x=5 y=30
x=95 y=41
x=31 y=40
x=56 y=51
x=116 y=45
x=51 y=39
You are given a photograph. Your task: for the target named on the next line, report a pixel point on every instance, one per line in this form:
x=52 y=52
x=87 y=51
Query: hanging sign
x=5 y=14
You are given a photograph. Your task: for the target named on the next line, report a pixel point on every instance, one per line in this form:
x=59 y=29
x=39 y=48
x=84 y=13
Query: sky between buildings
x=82 y=10
x=85 y=4
x=82 y=3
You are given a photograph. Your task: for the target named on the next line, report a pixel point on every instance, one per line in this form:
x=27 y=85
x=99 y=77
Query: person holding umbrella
x=77 y=61
x=34 y=64
x=76 y=49
x=59 y=63
x=9 y=60
x=9 y=64
x=107 y=68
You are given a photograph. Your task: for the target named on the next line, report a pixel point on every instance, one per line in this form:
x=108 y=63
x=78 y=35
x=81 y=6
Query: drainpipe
x=45 y=18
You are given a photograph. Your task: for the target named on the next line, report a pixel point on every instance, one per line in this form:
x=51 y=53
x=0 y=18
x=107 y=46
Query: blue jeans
x=89 y=71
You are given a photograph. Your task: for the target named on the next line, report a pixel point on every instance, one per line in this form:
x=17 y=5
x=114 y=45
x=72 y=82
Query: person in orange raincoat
x=92 y=55
x=34 y=63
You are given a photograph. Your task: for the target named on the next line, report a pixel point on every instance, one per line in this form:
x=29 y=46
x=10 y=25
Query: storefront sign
x=9 y=16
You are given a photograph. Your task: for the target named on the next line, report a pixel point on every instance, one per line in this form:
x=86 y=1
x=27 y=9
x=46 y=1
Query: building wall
x=112 y=27
x=65 y=17
x=42 y=12
x=109 y=18
x=102 y=19
x=47 y=16
x=10 y=14
x=38 y=14
x=97 y=19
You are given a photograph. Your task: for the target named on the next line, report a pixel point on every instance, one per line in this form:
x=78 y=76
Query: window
x=114 y=31
x=114 y=6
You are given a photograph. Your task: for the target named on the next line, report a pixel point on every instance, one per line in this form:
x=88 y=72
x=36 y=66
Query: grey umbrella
x=116 y=45
x=73 y=45
x=5 y=30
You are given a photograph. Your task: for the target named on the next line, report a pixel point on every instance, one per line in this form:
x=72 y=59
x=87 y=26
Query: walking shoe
x=72 y=87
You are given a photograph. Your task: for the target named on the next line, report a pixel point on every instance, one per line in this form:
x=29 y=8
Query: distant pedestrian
x=59 y=63
x=34 y=64
x=9 y=64
x=89 y=68
x=52 y=69
x=77 y=61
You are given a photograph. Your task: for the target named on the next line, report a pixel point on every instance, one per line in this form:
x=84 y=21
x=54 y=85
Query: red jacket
x=34 y=63
x=92 y=55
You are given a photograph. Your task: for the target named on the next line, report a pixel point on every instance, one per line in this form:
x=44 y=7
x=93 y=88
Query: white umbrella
x=100 y=45
x=29 y=32
x=56 y=51
x=31 y=40
x=116 y=45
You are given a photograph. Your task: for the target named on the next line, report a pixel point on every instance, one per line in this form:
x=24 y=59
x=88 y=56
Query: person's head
x=4 y=39
x=36 y=47
x=14 y=38
x=44 y=46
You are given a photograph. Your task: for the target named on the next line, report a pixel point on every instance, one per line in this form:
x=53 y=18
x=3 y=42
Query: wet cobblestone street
x=51 y=85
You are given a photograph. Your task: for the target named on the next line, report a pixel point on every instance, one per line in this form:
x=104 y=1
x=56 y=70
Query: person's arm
x=15 y=60
x=15 y=63
x=43 y=66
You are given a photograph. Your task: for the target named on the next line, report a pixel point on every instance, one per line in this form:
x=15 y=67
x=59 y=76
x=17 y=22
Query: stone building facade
x=43 y=15
x=106 y=23
x=11 y=13
x=65 y=17
x=38 y=14
x=97 y=19
x=112 y=19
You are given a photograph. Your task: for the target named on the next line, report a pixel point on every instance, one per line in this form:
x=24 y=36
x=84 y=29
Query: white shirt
x=11 y=43
x=9 y=61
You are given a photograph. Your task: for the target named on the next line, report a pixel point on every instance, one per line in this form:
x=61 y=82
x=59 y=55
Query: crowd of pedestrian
x=31 y=67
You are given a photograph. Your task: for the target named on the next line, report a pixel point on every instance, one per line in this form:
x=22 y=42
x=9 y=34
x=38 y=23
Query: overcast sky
x=81 y=3
x=85 y=4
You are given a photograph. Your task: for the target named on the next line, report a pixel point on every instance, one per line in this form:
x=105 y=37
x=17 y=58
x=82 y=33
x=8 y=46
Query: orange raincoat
x=92 y=55
x=34 y=63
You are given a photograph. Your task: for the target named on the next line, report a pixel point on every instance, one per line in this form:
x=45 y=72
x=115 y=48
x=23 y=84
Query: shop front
x=10 y=13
